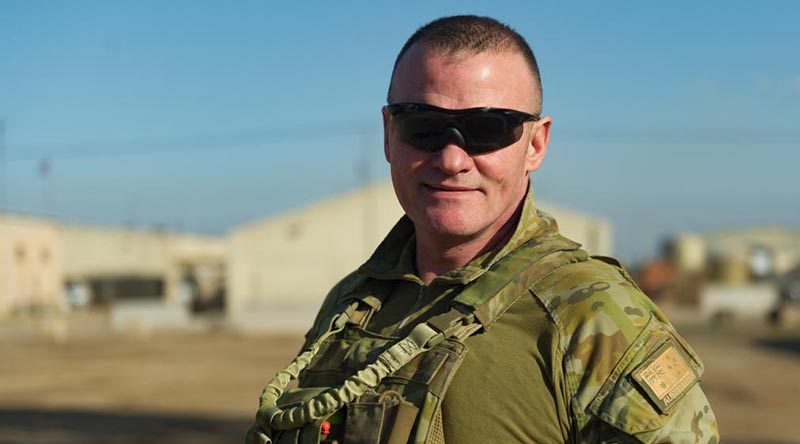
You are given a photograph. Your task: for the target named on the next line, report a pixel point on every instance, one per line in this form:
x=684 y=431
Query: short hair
x=475 y=34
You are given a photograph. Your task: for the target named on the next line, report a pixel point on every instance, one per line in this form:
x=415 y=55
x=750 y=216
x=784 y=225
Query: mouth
x=448 y=188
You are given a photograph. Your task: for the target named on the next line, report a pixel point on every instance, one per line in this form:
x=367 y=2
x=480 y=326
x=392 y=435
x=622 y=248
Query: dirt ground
x=75 y=382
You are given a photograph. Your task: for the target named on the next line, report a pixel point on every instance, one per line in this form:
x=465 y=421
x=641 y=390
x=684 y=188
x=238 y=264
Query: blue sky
x=202 y=115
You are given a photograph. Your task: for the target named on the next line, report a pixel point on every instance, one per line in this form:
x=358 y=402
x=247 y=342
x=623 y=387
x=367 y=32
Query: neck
x=437 y=255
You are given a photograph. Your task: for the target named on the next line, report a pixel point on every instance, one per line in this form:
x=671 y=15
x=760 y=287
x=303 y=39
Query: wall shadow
x=786 y=345
x=41 y=426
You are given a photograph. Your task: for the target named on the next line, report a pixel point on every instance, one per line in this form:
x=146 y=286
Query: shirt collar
x=394 y=257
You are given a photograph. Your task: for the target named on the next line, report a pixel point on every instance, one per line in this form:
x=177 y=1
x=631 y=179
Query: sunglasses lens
x=422 y=129
x=488 y=132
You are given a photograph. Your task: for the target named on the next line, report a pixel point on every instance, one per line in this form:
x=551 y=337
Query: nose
x=452 y=159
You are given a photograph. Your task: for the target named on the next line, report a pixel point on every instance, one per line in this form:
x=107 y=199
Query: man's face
x=450 y=194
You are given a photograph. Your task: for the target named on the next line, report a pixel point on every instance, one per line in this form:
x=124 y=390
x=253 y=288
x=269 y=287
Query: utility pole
x=45 y=170
x=5 y=266
x=364 y=176
x=2 y=164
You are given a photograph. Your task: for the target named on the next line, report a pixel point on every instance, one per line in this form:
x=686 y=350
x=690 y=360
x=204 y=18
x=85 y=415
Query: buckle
x=446 y=324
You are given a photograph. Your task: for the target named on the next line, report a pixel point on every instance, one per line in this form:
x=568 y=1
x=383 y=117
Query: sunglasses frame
x=513 y=118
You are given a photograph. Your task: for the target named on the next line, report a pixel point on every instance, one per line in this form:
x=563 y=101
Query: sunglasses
x=476 y=130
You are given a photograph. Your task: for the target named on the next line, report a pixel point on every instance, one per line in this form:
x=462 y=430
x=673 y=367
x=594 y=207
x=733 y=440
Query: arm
x=630 y=377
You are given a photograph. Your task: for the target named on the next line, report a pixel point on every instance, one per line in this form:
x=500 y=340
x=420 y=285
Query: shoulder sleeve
x=630 y=377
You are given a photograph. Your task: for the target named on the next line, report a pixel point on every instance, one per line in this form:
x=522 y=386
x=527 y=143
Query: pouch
x=310 y=433
x=379 y=418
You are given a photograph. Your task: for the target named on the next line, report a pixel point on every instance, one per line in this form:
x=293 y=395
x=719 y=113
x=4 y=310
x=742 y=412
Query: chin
x=453 y=225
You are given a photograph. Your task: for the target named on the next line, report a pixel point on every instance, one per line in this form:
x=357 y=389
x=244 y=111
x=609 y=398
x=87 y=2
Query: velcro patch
x=666 y=375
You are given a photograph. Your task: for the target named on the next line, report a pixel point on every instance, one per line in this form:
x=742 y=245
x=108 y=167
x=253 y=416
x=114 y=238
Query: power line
x=675 y=137
x=683 y=136
x=194 y=142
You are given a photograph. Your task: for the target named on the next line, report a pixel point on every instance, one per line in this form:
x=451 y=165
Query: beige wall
x=30 y=264
x=593 y=233
x=204 y=256
x=727 y=254
x=103 y=252
x=280 y=268
x=782 y=243
x=292 y=260
x=98 y=251
x=38 y=256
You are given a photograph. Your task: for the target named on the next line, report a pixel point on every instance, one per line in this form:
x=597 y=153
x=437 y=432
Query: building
x=48 y=266
x=280 y=268
x=113 y=263
x=729 y=274
x=739 y=256
x=31 y=270
x=267 y=275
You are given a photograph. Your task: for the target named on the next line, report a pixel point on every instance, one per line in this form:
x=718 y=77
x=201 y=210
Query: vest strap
x=275 y=388
x=501 y=286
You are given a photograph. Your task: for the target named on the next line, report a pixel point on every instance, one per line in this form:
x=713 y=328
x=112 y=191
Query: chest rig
x=358 y=387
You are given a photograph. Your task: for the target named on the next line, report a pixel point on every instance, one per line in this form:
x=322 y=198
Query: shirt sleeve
x=630 y=377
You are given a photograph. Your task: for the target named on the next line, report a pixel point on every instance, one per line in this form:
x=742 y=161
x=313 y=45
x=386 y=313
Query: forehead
x=464 y=79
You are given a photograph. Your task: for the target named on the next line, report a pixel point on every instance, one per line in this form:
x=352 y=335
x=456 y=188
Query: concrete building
x=280 y=268
x=594 y=233
x=120 y=263
x=275 y=270
x=739 y=256
x=30 y=264
x=48 y=265
x=728 y=275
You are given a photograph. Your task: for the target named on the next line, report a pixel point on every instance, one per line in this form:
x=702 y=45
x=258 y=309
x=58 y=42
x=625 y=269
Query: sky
x=203 y=115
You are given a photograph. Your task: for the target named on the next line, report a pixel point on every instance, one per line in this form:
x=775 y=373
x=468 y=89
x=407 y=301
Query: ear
x=537 y=148
x=386 y=118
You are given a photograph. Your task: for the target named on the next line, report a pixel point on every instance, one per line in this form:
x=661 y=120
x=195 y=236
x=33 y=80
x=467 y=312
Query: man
x=474 y=320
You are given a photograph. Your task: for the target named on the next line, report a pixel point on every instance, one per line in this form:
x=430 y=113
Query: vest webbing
x=498 y=287
x=482 y=300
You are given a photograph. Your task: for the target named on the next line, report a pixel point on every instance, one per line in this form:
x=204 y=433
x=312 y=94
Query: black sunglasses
x=476 y=130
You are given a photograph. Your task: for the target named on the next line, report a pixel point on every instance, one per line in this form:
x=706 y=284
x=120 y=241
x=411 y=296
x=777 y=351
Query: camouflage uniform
x=579 y=354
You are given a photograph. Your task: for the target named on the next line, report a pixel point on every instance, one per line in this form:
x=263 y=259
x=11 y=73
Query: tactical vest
x=362 y=388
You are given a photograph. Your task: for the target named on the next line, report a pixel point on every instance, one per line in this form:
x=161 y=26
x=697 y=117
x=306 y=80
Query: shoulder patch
x=666 y=376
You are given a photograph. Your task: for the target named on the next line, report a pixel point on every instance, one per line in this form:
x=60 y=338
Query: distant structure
x=127 y=263
x=268 y=275
x=594 y=233
x=738 y=256
x=280 y=268
x=31 y=270
x=726 y=274
x=49 y=266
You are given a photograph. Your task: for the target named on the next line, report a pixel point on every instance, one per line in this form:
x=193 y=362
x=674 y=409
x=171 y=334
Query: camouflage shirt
x=585 y=357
